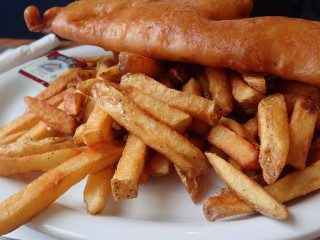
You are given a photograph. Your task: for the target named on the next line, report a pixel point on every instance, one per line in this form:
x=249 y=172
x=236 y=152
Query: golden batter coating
x=184 y=31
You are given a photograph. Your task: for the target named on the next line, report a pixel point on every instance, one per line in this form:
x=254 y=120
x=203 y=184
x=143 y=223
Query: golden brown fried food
x=185 y=31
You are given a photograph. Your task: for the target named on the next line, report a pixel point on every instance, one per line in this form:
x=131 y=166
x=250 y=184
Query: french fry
x=52 y=116
x=234 y=164
x=77 y=137
x=87 y=109
x=219 y=88
x=92 y=62
x=273 y=132
x=73 y=103
x=177 y=74
x=192 y=86
x=39 y=131
x=238 y=129
x=125 y=181
x=135 y=63
x=101 y=67
x=314 y=151
x=256 y=81
x=158 y=165
x=59 y=84
x=291 y=90
x=39 y=194
x=173 y=117
x=235 y=146
x=86 y=86
x=252 y=126
x=57 y=99
x=167 y=83
x=36 y=163
x=112 y=74
x=155 y=134
x=144 y=177
x=203 y=83
x=198 y=141
x=12 y=137
x=224 y=205
x=291 y=186
x=247 y=189
x=197 y=126
x=18 y=149
x=98 y=127
x=21 y=123
x=83 y=74
x=97 y=190
x=214 y=149
x=194 y=185
x=242 y=92
x=301 y=129
x=197 y=107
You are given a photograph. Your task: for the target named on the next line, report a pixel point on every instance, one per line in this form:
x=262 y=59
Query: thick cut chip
x=247 y=189
x=19 y=149
x=125 y=181
x=98 y=127
x=301 y=129
x=111 y=74
x=242 y=92
x=291 y=90
x=97 y=190
x=21 y=123
x=314 y=151
x=39 y=131
x=194 y=185
x=238 y=129
x=158 y=165
x=73 y=103
x=192 y=86
x=246 y=154
x=274 y=136
x=52 y=116
x=83 y=74
x=87 y=109
x=197 y=126
x=93 y=61
x=256 y=81
x=36 y=163
x=86 y=86
x=135 y=63
x=178 y=74
x=12 y=137
x=252 y=126
x=77 y=137
x=219 y=88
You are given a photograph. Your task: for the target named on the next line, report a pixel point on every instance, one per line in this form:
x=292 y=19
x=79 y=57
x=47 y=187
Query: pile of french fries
x=124 y=118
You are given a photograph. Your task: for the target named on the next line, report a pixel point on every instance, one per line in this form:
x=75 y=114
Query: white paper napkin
x=14 y=57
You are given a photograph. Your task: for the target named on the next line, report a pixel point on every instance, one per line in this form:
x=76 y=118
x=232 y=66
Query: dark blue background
x=12 y=23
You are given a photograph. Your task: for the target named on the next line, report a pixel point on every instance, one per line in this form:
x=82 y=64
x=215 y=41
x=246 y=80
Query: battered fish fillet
x=185 y=31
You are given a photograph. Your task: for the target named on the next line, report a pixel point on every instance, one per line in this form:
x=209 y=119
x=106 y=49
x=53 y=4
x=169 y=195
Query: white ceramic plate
x=163 y=209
